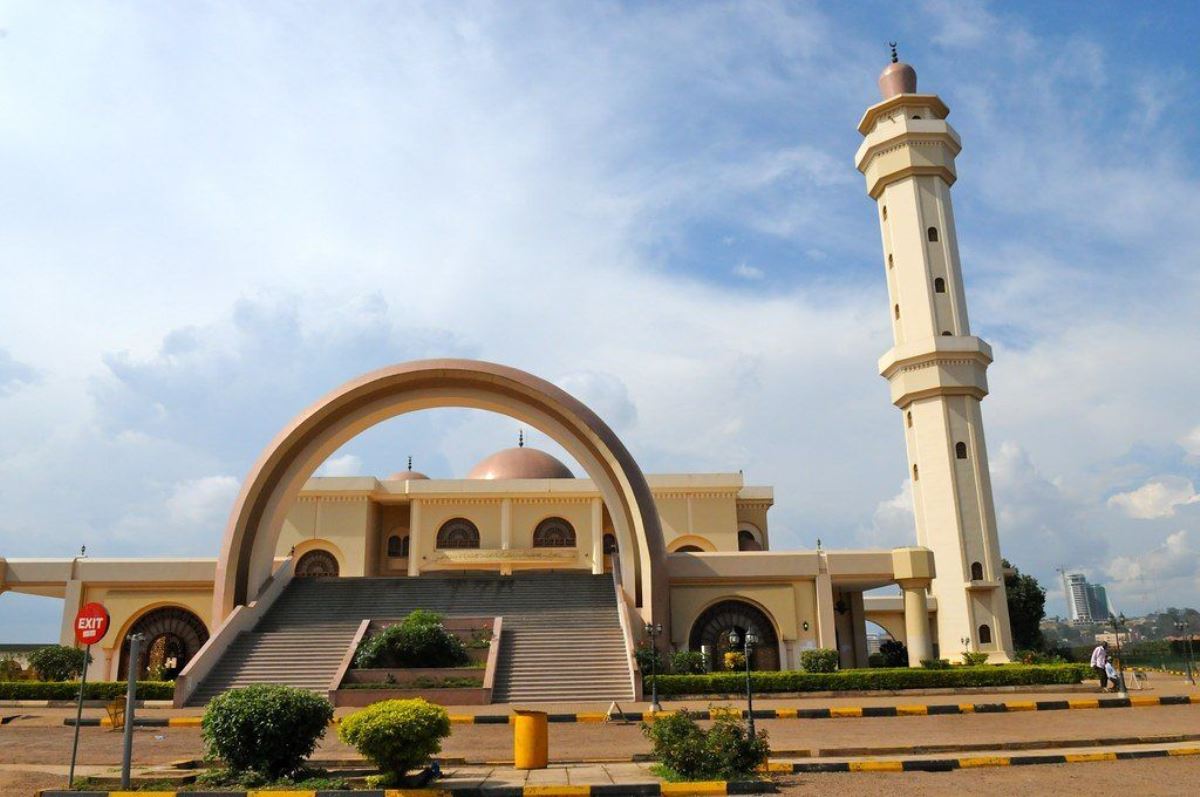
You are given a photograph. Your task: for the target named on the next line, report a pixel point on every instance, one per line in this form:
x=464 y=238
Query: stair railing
x=242 y=618
x=347 y=660
x=624 y=615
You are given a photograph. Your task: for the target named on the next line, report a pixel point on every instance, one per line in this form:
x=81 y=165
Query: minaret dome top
x=897 y=78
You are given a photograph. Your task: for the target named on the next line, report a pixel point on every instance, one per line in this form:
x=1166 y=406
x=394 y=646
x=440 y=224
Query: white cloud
x=893 y=524
x=1191 y=443
x=345 y=465
x=1157 y=498
x=1177 y=557
x=204 y=500
x=747 y=271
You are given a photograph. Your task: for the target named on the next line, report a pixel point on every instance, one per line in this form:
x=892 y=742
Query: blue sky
x=213 y=214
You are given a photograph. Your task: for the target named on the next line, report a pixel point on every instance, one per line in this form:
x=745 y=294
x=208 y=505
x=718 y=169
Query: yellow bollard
x=531 y=749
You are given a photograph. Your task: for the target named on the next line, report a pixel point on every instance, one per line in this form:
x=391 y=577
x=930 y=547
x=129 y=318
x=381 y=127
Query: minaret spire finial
x=520 y=438
x=410 y=461
x=895 y=55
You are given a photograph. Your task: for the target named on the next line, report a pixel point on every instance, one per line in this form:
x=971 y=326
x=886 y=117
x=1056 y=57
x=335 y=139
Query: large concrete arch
x=256 y=521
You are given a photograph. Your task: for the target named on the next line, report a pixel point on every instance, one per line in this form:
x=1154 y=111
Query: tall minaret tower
x=937 y=369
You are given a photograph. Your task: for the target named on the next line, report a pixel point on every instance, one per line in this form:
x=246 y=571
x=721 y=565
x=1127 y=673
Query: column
x=414 y=538
x=826 y=625
x=505 y=532
x=72 y=601
x=597 y=537
x=859 y=627
x=916 y=620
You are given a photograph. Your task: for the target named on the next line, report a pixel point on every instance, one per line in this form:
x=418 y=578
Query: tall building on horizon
x=1086 y=603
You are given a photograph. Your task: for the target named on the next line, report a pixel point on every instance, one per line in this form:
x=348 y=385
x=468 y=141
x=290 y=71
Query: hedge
x=95 y=690
x=878 y=678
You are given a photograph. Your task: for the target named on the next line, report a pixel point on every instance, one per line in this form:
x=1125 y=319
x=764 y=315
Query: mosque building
x=584 y=567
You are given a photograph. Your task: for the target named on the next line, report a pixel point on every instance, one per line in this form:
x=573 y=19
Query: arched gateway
x=247 y=553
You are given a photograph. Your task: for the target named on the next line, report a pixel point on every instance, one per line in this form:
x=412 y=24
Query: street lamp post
x=1182 y=626
x=748 y=642
x=652 y=631
x=1118 y=623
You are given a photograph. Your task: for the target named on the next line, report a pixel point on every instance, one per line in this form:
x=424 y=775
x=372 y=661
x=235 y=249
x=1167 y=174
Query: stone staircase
x=562 y=638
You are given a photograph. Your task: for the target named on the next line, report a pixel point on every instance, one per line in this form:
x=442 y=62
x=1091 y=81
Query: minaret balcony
x=941 y=365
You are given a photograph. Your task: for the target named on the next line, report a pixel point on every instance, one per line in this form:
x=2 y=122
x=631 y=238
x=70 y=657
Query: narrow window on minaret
x=885 y=212
x=916 y=473
x=910 y=420
x=939 y=285
x=977 y=571
x=897 y=312
x=932 y=233
x=960 y=450
x=945 y=333
x=985 y=635
x=889 y=261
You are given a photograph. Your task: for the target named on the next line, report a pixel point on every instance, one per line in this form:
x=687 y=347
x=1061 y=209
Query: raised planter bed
x=349 y=687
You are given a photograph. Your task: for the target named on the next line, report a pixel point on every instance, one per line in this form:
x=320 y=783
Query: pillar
x=826 y=625
x=414 y=539
x=597 y=537
x=506 y=532
x=916 y=620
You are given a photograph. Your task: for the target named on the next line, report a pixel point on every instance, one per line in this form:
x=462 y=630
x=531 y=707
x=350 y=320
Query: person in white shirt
x=1099 y=660
x=1113 y=677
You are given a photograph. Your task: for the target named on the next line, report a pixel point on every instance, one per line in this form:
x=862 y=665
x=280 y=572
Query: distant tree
x=59 y=662
x=1026 y=608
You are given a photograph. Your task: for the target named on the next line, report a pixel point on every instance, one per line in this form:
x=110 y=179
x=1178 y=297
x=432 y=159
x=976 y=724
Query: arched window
x=712 y=630
x=554 y=532
x=909 y=418
x=931 y=233
x=747 y=541
x=945 y=333
x=939 y=285
x=458 y=533
x=890 y=261
x=976 y=571
x=170 y=637
x=610 y=544
x=688 y=549
x=985 y=634
x=960 y=450
x=885 y=212
x=317 y=564
x=897 y=312
x=397 y=545
x=916 y=473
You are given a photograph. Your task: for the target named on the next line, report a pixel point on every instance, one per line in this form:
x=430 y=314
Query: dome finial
x=410 y=462
x=520 y=438
x=895 y=55
x=897 y=77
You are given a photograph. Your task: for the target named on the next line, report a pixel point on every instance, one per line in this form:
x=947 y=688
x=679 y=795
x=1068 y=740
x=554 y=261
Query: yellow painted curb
x=912 y=711
x=966 y=708
x=786 y=713
x=1134 y=702
x=1083 y=703
x=462 y=719
x=1184 y=751
x=556 y=791
x=876 y=766
x=416 y=793
x=984 y=761
x=595 y=716
x=846 y=711
x=184 y=722
x=1021 y=705
x=699 y=787
x=715 y=713
x=266 y=793
x=1079 y=758
x=777 y=766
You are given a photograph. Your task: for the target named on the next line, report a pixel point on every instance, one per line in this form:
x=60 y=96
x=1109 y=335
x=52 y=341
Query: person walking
x=1099 y=664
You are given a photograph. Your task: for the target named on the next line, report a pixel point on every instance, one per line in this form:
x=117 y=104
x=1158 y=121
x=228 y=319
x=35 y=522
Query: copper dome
x=520 y=463
x=406 y=475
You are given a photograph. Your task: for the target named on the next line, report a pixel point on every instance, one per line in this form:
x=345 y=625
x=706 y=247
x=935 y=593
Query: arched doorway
x=711 y=632
x=170 y=637
x=247 y=554
x=317 y=564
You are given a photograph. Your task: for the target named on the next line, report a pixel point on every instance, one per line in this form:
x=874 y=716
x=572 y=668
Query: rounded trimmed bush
x=265 y=728
x=819 y=660
x=397 y=735
x=689 y=662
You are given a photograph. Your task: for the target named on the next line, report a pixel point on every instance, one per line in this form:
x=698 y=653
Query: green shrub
x=397 y=735
x=876 y=660
x=725 y=751
x=890 y=679
x=689 y=662
x=819 y=660
x=974 y=659
x=648 y=658
x=265 y=728
x=93 y=690
x=894 y=653
x=59 y=662
x=419 y=641
x=935 y=664
x=11 y=669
